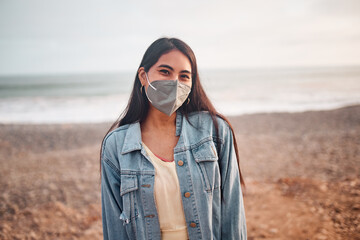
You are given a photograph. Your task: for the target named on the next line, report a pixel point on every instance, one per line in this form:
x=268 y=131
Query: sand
x=301 y=171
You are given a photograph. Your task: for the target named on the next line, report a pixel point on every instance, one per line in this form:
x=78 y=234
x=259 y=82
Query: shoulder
x=203 y=123
x=205 y=118
x=114 y=140
x=116 y=133
x=112 y=145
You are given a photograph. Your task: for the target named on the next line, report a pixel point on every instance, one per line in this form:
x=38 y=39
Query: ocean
x=86 y=98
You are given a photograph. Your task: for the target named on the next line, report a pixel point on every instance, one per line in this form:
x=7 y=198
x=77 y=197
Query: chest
x=198 y=177
x=161 y=144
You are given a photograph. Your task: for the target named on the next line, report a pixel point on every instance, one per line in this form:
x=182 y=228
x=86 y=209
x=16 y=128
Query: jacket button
x=180 y=163
x=192 y=224
x=187 y=194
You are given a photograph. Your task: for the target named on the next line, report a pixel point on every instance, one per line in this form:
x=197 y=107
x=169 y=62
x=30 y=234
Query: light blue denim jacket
x=215 y=204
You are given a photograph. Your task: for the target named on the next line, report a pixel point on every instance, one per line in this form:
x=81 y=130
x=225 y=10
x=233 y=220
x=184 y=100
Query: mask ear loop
x=149 y=82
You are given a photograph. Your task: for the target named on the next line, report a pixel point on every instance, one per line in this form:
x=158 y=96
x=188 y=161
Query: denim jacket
x=215 y=208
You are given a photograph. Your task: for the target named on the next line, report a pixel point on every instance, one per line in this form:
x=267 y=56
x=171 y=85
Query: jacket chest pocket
x=128 y=190
x=206 y=157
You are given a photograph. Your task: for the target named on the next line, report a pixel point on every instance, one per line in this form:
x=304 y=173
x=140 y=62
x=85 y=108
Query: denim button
x=187 y=194
x=180 y=163
x=192 y=224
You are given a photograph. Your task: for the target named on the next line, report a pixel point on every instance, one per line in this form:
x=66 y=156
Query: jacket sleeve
x=233 y=222
x=111 y=203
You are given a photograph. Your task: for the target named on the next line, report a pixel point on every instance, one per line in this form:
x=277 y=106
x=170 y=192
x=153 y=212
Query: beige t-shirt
x=168 y=199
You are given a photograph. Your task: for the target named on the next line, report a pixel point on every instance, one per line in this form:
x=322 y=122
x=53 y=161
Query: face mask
x=167 y=95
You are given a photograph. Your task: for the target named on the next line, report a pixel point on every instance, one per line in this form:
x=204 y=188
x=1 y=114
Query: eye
x=184 y=76
x=164 y=71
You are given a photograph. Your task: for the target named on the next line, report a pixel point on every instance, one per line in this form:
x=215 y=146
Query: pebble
x=321 y=237
x=53 y=186
x=263 y=226
x=353 y=183
x=33 y=235
x=323 y=187
x=6 y=228
x=356 y=207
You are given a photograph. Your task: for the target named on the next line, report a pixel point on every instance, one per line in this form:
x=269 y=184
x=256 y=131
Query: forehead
x=176 y=60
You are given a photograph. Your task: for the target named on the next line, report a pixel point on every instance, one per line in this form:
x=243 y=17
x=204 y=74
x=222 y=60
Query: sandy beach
x=301 y=170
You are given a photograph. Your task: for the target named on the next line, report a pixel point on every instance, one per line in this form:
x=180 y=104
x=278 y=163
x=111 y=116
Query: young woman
x=169 y=165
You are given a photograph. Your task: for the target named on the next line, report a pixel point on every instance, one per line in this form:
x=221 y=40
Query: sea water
x=82 y=98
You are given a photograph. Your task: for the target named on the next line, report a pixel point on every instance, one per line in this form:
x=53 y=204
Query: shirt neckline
x=162 y=159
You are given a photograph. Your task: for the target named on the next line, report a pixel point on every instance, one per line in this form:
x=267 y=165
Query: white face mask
x=167 y=95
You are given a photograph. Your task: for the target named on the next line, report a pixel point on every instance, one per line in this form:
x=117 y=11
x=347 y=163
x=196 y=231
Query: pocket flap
x=205 y=152
x=128 y=183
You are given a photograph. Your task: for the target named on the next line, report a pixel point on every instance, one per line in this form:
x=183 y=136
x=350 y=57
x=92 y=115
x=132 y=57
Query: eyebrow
x=169 y=67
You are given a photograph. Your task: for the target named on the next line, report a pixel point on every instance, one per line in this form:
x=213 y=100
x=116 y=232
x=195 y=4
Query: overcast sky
x=72 y=36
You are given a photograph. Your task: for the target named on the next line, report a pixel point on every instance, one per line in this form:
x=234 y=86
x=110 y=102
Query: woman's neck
x=158 y=120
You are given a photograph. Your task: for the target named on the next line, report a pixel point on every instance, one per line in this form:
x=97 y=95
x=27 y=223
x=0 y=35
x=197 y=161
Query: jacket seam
x=136 y=172
x=112 y=166
x=228 y=160
x=202 y=141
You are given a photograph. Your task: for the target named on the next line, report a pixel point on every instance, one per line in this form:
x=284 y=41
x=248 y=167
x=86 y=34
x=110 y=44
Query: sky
x=86 y=36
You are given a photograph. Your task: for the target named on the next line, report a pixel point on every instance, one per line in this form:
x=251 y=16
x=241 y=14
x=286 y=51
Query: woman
x=169 y=166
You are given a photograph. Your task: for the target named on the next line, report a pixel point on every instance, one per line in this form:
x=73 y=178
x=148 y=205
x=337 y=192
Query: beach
x=301 y=171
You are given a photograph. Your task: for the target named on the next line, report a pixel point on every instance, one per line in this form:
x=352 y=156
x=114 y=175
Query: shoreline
x=230 y=116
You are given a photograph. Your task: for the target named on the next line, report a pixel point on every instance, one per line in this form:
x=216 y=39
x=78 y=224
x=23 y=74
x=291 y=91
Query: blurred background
x=254 y=56
x=287 y=73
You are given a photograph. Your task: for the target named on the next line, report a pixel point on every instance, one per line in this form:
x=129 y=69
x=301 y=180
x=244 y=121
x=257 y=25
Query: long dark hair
x=138 y=105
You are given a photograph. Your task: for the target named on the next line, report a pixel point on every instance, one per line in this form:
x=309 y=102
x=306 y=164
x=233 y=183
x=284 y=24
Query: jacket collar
x=133 y=140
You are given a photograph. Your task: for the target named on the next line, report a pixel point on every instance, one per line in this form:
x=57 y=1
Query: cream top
x=168 y=199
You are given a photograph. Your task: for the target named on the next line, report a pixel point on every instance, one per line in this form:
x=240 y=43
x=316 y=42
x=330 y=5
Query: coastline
x=301 y=171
